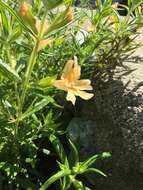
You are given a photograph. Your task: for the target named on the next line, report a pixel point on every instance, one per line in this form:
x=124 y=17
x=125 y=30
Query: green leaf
x=68 y=2
x=99 y=3
x=95 y=171
x=50 y=4
x=74 y=157
x=7 y=71
x=61 y=20
x=105 y=155
x=54 y=178
x=47 y=97
x=2 y=164
x=90 y=161
x=45 y=151
x=37 y=107
x=15 y=34
x=59 y=149
x=5 y=23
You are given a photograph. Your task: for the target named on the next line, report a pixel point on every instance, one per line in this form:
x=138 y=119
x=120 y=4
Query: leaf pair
x=67 y=174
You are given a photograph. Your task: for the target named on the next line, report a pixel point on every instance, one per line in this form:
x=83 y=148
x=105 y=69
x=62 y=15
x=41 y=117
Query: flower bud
x=46 y=82
x=26 y=14
x=24 y=9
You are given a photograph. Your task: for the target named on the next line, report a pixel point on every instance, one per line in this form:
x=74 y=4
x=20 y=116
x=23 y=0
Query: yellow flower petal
x=67 y=69
x=84 y=84
x=84 y=95
x=71 y=97
x=60 y=84
x=77 y=71
x=71 y=71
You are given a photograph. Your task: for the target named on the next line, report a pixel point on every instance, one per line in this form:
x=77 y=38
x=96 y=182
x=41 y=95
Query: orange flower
x=71 y=84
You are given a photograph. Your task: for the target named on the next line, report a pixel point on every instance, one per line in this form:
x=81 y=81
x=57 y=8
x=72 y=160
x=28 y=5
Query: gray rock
x=113 y=121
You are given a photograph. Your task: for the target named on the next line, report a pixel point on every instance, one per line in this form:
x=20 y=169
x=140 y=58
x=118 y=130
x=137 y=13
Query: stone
x=113 y=121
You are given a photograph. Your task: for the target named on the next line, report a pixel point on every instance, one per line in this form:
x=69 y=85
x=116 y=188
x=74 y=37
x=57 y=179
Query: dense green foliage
x=31 y=126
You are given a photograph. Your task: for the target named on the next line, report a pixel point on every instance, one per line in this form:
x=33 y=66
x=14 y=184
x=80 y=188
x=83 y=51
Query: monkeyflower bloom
x=71 y=83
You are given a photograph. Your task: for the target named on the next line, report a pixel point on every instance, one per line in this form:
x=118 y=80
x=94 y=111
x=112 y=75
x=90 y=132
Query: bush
x=36 y=41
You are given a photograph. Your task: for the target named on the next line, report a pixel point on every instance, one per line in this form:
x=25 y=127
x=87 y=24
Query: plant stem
x=32 y=61
x=29 y=70
x=31 y=64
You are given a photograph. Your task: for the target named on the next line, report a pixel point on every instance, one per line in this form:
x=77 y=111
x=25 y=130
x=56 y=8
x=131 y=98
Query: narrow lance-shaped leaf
x=50 y=4
x=61 y=20
x=7 y=71
x=15 y=34
x=59 y=149
x=91 y=160
x=37 y=107
x=95 y=170
x=88 y=162
x=4 y=22
x=74 y=157
x=54 y=178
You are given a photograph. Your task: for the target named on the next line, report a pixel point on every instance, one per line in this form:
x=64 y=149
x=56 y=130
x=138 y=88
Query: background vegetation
x=35 y=149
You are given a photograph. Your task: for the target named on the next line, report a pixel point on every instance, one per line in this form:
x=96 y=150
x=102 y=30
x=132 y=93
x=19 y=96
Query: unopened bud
x=46 y=82
x=27 y=16
x=24 y=9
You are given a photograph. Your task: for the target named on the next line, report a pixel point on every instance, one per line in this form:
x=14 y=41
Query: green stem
x=31 y=64
x=28 y=73
x=32 y=61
